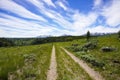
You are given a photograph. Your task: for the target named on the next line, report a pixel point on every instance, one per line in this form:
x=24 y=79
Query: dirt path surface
x=92 y=73
x=52 y=72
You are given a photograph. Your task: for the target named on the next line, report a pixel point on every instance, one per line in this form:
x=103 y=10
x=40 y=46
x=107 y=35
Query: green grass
x=13 y=59
x=67 y=69
x=111 y=70
x=34 y=61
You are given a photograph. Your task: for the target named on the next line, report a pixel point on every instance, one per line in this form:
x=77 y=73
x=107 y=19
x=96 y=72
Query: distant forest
x=7 y=42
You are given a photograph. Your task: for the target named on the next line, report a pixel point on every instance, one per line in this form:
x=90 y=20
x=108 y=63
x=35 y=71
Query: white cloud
x=49 y=2
x=3 y=33
x=79 y=20
x=11 y=6
x=112 y=13
x=16 y=26
x=103 y=29
x=97 y=3
x=16 y=22
x=72 y=22
x=62 y=5
x=82 y=21
x=55 y=16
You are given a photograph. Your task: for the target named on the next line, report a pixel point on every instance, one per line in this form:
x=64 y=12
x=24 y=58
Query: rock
x=107 y=49
x=116 y=61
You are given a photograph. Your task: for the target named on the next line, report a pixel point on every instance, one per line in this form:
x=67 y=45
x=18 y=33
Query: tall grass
x=12 y=59
x=111 y=70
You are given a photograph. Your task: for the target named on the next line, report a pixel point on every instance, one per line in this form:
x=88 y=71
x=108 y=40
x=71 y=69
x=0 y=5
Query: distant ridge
x=44 y=36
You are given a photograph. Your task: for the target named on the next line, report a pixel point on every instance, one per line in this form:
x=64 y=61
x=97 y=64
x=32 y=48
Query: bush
x=74 y=49
x=90 y=45
x=107 y=49
x=90 y=59
x=75 y=44
x=84 y=48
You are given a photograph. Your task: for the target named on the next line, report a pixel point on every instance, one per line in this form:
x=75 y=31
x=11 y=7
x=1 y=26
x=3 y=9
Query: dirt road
x=52 y=72
x=92 y=73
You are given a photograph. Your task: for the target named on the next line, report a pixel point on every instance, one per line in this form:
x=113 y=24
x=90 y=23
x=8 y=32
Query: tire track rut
x=91 y=72
x=52 y=72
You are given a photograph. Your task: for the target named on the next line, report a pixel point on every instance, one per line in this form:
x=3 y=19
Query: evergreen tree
x=88 y=36
x=119 y=34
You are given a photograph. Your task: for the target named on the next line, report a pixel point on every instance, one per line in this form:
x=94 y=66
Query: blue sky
x=31 y=18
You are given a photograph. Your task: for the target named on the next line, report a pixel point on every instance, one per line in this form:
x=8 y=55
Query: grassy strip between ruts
x=67 y=69
x=25 y=62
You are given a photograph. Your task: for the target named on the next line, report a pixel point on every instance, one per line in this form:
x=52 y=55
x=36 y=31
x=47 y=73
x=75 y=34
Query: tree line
x=6 y=42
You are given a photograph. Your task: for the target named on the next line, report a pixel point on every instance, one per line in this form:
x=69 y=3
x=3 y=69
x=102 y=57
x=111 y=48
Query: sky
x=31 y=18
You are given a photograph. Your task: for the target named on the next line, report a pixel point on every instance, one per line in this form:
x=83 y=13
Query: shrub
x=84 y=48
x=75 y=44
x=90 y=59
x=107 y=49
x=90 y=45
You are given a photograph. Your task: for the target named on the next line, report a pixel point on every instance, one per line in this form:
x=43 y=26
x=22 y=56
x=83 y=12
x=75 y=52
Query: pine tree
x=88 y=36
x=119 y=34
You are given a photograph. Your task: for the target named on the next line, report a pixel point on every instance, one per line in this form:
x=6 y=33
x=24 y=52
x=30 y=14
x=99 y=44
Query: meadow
x=106 y=63
x=25 y=62
x=32 y=62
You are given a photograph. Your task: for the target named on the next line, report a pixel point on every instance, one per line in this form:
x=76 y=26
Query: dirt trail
x=92 y=73
x=52 y=72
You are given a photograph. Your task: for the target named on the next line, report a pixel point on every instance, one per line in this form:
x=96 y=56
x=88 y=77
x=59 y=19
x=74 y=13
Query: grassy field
x=107 y=63
x=32 y=62
x=25 y=62
x=67 y=69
